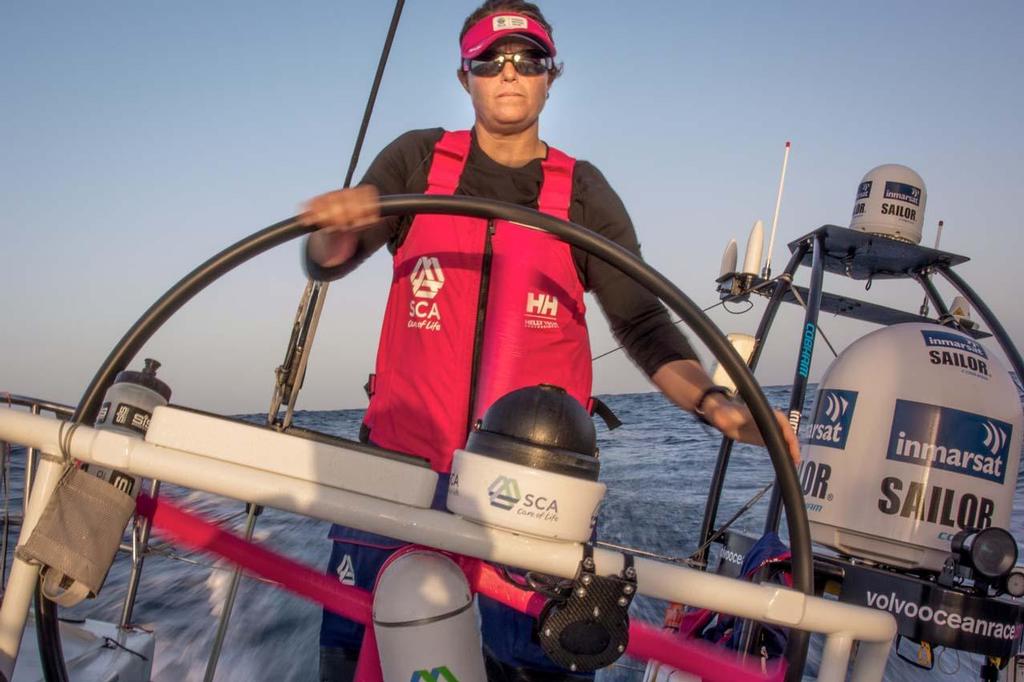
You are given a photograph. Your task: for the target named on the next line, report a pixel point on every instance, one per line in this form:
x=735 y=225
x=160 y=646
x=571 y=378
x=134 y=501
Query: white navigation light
x=890 y=202
x=1015 y=582
x=755 y=248
x=991 y=553
x=744 y=345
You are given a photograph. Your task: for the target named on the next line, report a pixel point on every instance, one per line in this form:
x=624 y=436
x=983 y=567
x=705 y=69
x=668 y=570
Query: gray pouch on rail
x=77 y=536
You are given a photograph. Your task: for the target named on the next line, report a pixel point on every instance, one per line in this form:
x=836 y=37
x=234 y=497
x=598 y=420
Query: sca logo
x=949 y=439
x=346 y=571
x=427 y=279
x=504 y=492
x=439 y=674
x=832 y=418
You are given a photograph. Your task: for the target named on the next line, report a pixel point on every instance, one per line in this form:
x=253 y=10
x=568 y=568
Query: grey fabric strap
x=66 y=597
x=77 y=536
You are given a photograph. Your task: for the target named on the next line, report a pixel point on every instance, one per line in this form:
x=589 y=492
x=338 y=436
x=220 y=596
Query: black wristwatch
x=698 y=408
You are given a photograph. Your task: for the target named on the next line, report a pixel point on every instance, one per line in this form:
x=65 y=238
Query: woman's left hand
x=735 y=421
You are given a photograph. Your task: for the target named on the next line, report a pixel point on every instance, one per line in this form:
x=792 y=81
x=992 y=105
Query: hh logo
x=504 y=492
x=427 y=277
x=440 y=674
x=541 y=304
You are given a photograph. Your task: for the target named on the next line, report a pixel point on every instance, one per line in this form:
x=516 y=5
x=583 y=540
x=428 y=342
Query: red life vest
x=476 y=309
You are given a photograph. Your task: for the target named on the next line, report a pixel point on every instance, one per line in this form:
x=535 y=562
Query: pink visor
x=490 y=29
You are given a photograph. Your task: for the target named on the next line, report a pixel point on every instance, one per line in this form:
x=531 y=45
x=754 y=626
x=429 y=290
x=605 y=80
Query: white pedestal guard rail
x=327 y=499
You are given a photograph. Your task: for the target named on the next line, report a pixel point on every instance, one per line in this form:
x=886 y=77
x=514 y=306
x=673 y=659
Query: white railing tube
x=869 y=664
x=835 y=658
x=22 y=582
x=326 y=500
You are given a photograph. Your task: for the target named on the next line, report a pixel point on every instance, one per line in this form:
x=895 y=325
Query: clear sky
x=137 y=139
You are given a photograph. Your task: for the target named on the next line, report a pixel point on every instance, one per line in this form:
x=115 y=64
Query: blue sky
x=136 y=139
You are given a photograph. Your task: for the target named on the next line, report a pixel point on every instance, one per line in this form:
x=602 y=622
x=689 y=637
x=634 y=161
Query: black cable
x=373 y=92
x=710 y=307
x=750 y=306
x=109 y=643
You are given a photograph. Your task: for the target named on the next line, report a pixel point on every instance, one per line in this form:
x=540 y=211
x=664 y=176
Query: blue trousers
x=356 y=559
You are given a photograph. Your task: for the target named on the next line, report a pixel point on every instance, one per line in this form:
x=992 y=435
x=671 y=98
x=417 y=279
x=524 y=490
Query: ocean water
x=657 y=466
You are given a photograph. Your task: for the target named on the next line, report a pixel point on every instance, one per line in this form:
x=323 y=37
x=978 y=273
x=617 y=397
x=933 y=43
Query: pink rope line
x=645 y=641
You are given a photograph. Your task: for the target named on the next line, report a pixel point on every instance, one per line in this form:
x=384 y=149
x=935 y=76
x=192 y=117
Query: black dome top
x=542 y=427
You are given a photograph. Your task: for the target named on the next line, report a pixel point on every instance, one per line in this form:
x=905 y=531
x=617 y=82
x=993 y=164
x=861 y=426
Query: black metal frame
x=843 y=261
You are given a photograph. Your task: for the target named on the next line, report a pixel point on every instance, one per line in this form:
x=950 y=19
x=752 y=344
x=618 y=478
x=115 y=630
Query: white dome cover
x=916 y=434
x=890 y=201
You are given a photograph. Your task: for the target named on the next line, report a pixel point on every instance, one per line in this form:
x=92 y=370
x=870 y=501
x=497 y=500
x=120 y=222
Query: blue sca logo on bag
x=949 y=439
x=832 y=418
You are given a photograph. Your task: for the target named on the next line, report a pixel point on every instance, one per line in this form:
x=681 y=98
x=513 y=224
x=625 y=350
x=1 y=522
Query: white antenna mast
x=767 y=272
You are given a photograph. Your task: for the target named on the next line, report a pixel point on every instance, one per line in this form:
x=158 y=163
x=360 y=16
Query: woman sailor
x=479 y=308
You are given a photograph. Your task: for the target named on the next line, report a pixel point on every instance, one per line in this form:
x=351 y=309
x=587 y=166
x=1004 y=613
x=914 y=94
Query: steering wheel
x=575 y=235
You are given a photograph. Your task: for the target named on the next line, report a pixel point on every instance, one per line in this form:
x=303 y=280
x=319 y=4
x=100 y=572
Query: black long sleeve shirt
x=637 y=318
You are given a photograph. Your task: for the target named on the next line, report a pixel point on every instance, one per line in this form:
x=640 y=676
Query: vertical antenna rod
x=767 y=272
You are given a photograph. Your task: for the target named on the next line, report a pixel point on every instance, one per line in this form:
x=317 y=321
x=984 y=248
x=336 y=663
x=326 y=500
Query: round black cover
x=541 y=427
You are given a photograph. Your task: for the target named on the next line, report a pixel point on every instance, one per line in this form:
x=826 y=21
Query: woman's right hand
x=345 y=210
x=339 y=215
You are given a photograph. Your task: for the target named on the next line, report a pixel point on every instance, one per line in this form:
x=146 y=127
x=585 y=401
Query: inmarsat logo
x=504 y=493
x=427 y=279
x=995 y=437
x=836 y=406
x=952 y=440
x=901 y=191
x=541 y=311
x=954 y=350
x=832 y=419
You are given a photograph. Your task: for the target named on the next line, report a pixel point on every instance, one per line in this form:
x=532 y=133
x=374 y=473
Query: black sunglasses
x=527 y=63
